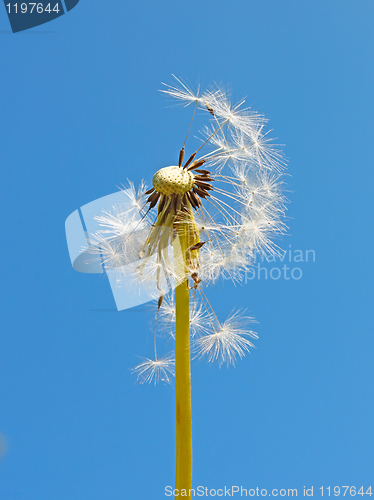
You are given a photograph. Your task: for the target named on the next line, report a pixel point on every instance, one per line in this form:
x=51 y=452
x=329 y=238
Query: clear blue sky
x=80 y=113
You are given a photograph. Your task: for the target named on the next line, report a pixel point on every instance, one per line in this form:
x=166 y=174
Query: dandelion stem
x=183 y=476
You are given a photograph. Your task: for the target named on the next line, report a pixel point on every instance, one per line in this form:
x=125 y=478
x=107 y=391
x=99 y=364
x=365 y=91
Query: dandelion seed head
x=173 y=180
x=205 y=218
x=228 y=209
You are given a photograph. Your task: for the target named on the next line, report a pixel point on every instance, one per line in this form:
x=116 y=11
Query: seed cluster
x=178 y=188
x=173 y=180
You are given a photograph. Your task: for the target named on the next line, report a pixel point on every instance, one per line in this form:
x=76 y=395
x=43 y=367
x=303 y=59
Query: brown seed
x=211 y=110
x=191 y=158
x=200 y=192
x=152 y=197
x=161 y=298
x=204 y=185
x=181 y=157
x=189 y=198
x=149 y=191
x=203 y=178
x=197 y=246
x=154 y=200
x=192 y=200
x=203 y=171
x=195 y=164
x=196 y=199
x=161 y=204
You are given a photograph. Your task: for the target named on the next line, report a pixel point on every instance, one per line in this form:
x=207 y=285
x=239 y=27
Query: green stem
x=183 y=476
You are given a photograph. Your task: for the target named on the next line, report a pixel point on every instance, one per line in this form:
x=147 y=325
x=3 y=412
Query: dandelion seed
x=158 y=370
x=183 y=92
x=199 y=318
x=228 y=342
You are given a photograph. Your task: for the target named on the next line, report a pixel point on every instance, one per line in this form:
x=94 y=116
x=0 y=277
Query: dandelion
x=203 y=219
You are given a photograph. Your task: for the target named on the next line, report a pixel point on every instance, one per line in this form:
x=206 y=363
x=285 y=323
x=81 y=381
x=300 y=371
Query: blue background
x=80 y=113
